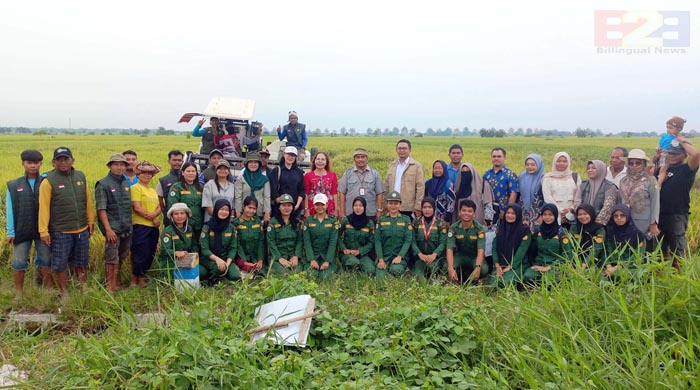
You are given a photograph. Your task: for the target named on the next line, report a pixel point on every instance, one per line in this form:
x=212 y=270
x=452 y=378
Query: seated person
x=466 y=240
x=393 y=239
x=210 y=135
x=320 y=240
x=219 y=245
x=177 y=238
x=429 y=240
x=624 y=243
x=357 y=238
x=284 y=237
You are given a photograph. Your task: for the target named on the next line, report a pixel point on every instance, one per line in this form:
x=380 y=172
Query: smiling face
x=635 y=165
x=548 y=217
x=403 y=150
x=253 y=166
x=320 y=208
x=562 y=164
x=510 y=215
x=393 y=206
x=179 y=217
x=290 y=158
x=215 y=158
x=320 y=160
x=530 y=166
x=224 y=212
x=358 y=208
x=466 y=214
x=63 y=163
x=190 y=174
x=498 y=159
x=117 y=168
x=360 y=161
x=592 y=171
x=250 y=210
x=222 y=172
x=286 y=209
x=583 y=217
x=145 y=177
x=437 y=169
x=293 y=119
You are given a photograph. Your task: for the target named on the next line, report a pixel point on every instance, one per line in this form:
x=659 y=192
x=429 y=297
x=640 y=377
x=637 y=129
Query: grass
x=584 y=332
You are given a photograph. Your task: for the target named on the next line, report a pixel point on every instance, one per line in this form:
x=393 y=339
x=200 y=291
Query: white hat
x=321 y=198
x=179 y=207
x=290 y=150
x=637 y=154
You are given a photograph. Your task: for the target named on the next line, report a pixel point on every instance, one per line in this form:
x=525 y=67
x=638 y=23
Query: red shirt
x=326 y=184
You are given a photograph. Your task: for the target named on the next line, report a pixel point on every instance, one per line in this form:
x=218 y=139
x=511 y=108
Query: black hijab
x=359 y=221
x=431 y=201
x=625 y=234
x=589 y=230
x=549 y=230
x=465 y=185
x=510 y=235
x=218 y=225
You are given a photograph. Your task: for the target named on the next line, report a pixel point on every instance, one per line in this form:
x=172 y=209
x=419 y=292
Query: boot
x=62 y=281
x=109 y=277
x=82 y=276
x=47 y=278
x=19 y=285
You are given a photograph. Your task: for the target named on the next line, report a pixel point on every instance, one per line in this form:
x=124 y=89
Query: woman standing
x=511 y=244
x=530 y=185
x=250 y=233
x=253 y=183
x=559 y=187
x=438 y=187
x=553 y=246
x=221 y=187
x=177 y=239
x=284 y=237
x=321 y=240
x=189 y=191
x=357 y=238
x=144 y=216
x=597 y=191
x=624 y=243
x=321 y=180
x=393 y=238
x=470 y=185
x=429 y=240
x=588 y=235
x=218 y=242
x=639 y=192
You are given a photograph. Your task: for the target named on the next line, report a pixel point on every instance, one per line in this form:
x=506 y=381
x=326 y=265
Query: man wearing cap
x=210 y=135
x=264 y=161
x=22 y=210
x=175 y=160
x=675 y=197
x=113 y=204
x=131 y=160
x=361 y=180
x=287 y=178
x=405 y=176
x=66 y=218
x=215 y=156
x=295 y=133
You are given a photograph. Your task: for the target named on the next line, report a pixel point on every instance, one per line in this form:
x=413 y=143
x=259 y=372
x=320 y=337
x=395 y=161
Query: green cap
x=393 y=195
x=285 y=198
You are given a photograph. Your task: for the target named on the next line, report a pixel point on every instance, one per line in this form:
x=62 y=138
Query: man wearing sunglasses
x=295 y=133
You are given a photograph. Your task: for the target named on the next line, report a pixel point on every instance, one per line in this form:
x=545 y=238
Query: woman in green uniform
x=624 y=243
x=321 y=240
x=588 y=236
x=219 y=245
x=429 y=240
x=189 y=191
x=357 y=238
x=177 y=239
x=393 y=238
x=553 y=247
x=250 y=233
x=510 y=248
x=284 y=237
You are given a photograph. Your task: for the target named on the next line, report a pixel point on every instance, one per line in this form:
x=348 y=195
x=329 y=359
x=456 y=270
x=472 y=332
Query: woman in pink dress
x=321 y=180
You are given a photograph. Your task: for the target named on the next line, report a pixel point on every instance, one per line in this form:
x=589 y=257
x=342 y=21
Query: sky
x=360 y=64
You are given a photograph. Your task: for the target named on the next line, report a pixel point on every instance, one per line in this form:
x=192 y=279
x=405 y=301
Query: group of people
x=497 y=227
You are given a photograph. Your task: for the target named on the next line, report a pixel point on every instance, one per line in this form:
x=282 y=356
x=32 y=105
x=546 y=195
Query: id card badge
x=362 y=192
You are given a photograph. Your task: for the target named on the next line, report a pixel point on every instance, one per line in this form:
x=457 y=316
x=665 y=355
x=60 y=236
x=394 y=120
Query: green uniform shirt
x=228 y=243
x=594 y=254
x=623 y=254
x=552 y=251
x=518 y=260
x=466 y=241
x=250 y=239
x=320 y=239
x=394 y=237
x=351 y=238
x=284 y=241
x=436 y=242
x=192 y=198
x=170 y=242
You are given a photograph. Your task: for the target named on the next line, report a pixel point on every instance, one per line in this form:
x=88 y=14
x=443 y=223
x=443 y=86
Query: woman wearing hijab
x=639 y=192
x=510 y=248
x=357 y=238
x=624 y=243
x=530 y=185
x=177 y=239
x=553 y=247
x=559 y=186
x=588 y=236
x=429 y=240
x=253 y=183
x=597 y=191
x=438 y=187
x=470 y=185
x=219 y=245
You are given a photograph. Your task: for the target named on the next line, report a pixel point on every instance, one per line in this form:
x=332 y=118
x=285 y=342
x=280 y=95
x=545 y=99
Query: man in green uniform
x=466 y=240
x=321 y=240
x=394 y=238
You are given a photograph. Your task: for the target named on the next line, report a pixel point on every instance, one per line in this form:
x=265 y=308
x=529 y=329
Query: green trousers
x=393 y=269
x=208 y=270
x=511 y=277
x=326 y=274
x=365 y=263
x=422 y=269
x=465 y=265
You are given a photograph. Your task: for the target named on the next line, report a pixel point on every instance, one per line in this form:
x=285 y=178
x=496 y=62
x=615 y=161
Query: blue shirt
x=10 y=215
x=665 y=141
x=502 y=183
x=131 y=183
x=283 y=134
x=452 y=174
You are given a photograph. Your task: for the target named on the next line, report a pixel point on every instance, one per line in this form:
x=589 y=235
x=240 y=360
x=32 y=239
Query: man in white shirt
x=617 y=169
x=406 y=176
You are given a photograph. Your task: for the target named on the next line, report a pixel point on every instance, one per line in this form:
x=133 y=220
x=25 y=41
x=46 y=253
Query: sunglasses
x=634 y=163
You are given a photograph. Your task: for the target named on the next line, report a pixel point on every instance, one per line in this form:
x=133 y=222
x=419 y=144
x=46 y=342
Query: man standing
x=175 y=159
x=503 y=181
x=361 y=180
x=210 y=135
x=113 y=204
x=295 y=133
x=66 y=218
x=617 y=169
x=131 y=161
x=287 y=178
x=675 y=197
x=22 y=222
x=405 y=176
x=456 y=153
x=215 y=156
x=264 y=161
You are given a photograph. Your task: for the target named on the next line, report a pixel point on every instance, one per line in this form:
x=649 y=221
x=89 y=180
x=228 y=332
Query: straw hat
x=146 y=166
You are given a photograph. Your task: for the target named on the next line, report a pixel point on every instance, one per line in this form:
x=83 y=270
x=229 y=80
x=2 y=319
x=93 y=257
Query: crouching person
x=284 y=237
x=430 y=238
x=177 y=239
x=357 y=238
x=218 y=243
x=394 y=238
x=465 y=246
x=321 y=240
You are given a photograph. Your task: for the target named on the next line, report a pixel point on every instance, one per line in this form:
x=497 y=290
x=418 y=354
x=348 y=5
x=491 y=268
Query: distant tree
x=430 y=132
x=343 y=131
x=352 y=131
x=404 y=131
x=500 y=133
x=412 y=132
x=377 y=132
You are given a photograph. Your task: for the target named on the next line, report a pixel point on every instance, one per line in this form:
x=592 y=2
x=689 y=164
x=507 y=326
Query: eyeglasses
x=619 y=216
x=634 y=163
